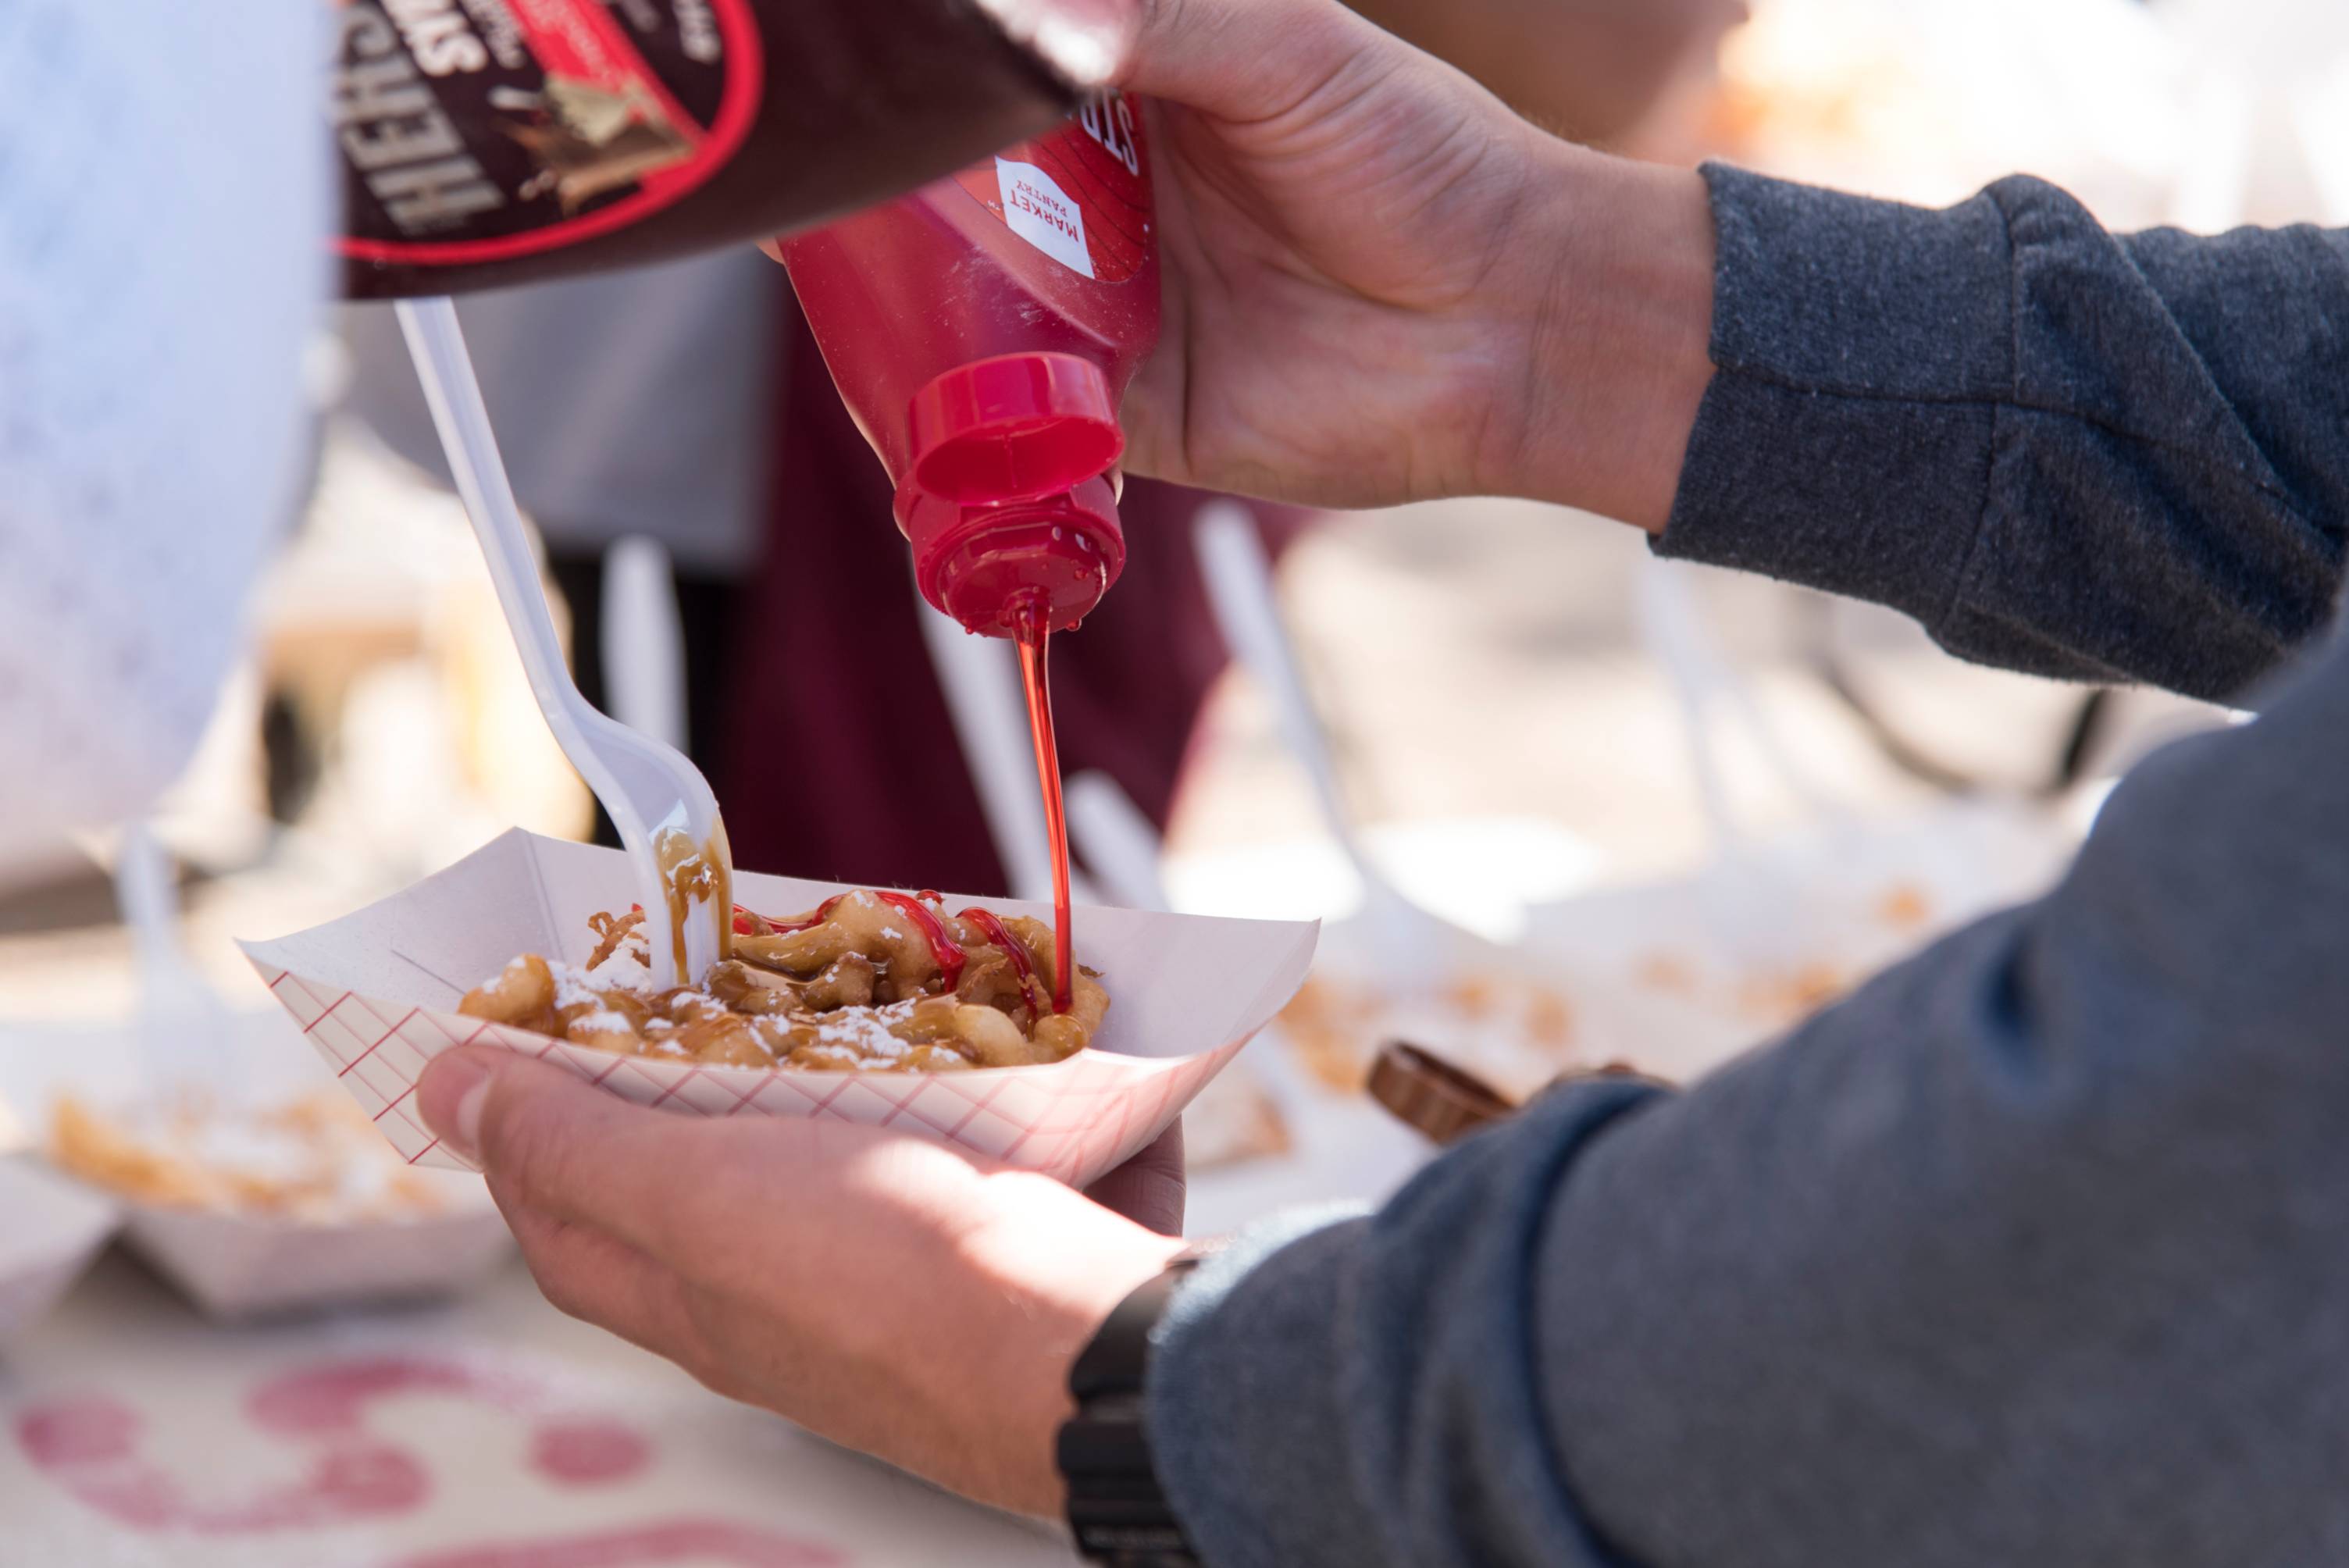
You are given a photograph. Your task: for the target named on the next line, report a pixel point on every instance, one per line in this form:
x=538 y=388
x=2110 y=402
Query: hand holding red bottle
x=1382 y=286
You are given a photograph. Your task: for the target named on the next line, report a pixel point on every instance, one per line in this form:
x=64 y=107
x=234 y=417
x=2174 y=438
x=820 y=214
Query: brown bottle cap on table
x=1426 y=1092
x=1447 y=1103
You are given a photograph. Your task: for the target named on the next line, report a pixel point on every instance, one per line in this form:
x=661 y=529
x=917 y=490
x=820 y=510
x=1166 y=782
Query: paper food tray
x=1676 y=978
x=234 y=1265
x=377 y=992
x=1659 y=981
x=50 y=1228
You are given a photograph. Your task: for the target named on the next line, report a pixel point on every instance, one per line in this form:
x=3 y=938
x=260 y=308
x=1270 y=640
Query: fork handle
x=438 y=346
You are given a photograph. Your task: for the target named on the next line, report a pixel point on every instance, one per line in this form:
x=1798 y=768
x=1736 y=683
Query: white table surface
x=134 y=1432
x=488 y=1433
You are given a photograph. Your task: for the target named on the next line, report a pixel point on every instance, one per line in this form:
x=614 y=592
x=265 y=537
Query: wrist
x=1612 y=300
x=1055 y=1290
x=1118 y=1510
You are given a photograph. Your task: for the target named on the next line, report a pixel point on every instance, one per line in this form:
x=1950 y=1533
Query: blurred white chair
x=643 y=639
x=1746 y=901
x=1412 y=947
x=1122 y=846
x=184 y=1032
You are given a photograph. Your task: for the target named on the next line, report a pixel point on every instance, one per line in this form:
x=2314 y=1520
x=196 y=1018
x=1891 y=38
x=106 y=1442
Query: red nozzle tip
x=987 y=566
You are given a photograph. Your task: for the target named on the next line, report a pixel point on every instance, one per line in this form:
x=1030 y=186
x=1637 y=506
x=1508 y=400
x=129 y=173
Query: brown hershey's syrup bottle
x=489 y=142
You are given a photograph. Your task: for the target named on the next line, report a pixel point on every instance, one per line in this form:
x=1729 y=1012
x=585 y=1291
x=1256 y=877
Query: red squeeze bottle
x=982 y=331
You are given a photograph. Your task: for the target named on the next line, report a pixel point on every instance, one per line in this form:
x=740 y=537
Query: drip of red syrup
x=1015 y=952
x=1033 y=635
x=944 y=949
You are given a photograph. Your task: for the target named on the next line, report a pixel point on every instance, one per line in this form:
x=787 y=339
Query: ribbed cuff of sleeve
x=1862 y=349
x=1349 y=1389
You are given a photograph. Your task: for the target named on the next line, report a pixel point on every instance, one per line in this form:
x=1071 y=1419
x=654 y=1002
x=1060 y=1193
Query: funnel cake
x=868 y=981
x=316 y=1160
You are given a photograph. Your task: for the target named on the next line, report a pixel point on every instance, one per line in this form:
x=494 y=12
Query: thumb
x=450 y=1095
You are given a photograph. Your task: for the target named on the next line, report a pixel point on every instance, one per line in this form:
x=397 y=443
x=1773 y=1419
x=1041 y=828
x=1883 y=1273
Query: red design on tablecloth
x=580 y=1450
x=90 y=1447
x=587 y=1452
x=696 y=1540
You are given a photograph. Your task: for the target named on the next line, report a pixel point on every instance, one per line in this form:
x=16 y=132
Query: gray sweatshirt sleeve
x=2070 y=452
x=2036 y=1249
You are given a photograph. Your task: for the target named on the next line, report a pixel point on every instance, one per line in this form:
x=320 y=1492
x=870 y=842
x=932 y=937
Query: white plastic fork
x=664 y=809
x=1121 y=846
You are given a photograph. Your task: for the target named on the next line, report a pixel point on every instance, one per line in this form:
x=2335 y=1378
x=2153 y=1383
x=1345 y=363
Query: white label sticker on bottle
x=1044 y=214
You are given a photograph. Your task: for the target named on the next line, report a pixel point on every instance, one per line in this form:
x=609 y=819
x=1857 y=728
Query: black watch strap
x=1116 y=1510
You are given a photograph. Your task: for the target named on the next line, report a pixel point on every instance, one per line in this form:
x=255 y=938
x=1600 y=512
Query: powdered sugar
x=629 y=965
x=572 y=988
x=316 y=1160
x=242 y=1146
x=862 y=1032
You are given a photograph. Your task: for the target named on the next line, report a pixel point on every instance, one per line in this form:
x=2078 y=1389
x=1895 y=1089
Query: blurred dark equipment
x=1824 y=654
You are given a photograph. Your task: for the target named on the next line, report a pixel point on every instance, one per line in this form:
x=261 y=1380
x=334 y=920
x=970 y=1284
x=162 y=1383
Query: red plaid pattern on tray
x=1076 y=1119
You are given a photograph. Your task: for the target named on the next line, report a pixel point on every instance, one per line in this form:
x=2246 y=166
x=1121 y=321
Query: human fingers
x=586 y=1274
x=1243 y=60
x=686 y=1190
x=560 y=1146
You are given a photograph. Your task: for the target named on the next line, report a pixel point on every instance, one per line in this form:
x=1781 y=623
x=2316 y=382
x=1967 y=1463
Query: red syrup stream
x=1033 y=638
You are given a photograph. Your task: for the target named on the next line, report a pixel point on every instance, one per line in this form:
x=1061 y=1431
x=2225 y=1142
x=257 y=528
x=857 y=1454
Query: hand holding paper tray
x=375 y=993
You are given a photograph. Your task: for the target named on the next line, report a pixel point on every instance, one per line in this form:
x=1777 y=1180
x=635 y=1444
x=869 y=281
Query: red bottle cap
x=1020 y=426
x=981 y=564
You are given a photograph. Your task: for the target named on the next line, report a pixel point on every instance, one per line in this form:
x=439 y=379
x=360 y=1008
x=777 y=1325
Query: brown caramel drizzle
x=691 y=875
